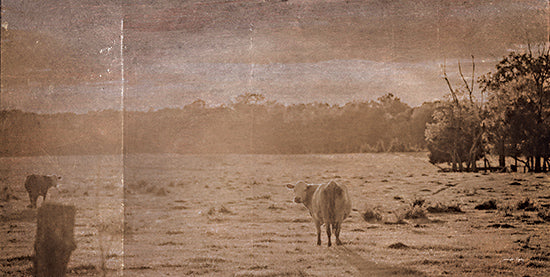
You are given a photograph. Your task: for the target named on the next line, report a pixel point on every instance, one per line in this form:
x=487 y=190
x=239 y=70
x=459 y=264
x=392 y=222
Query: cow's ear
x=290 y=186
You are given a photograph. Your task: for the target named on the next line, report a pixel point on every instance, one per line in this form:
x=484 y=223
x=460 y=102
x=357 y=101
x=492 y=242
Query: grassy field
x=230 y=215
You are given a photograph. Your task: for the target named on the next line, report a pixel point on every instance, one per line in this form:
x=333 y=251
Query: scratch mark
x=122 y=87
x=250 y=49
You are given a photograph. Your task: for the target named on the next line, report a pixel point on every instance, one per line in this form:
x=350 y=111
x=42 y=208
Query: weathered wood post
x=54 y=239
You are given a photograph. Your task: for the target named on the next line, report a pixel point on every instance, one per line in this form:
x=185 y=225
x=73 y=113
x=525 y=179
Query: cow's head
x=55 y=178
x=299 y=191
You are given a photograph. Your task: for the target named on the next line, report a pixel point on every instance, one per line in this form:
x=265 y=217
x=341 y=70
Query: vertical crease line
x=122 y=131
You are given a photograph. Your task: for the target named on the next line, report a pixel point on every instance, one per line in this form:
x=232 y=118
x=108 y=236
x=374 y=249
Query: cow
x=328 y=204
x=38 y=185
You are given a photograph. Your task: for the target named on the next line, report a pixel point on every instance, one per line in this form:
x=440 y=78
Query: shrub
x=487 y=205
x=442 y=208
x=415 y=212
x=371 y=215
x=526 y=205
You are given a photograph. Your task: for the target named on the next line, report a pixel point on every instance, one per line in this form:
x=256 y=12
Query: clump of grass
x=135 y=187
x=7 y=194
x=258 y=197
x=222 y=210
x=415 y=212
x=506 y=211
x=487 y=205
x=225 y=210
x=544 y=214
x=84 y=269
x=212 y=211
x=503 y=225
x=161 y=192
x=371 y=215
x=471 y=192
x=150 y=189
x=399 y=218
x=398 y=245
x=143 y=186
x=442 y=208
x=526 y=205
x=274 y=207
x=108 y=228
x=418 y=202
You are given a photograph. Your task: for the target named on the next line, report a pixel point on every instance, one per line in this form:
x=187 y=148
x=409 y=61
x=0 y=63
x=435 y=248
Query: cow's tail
x=332 y=193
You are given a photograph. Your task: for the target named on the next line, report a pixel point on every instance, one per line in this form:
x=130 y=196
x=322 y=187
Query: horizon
x=214 y=106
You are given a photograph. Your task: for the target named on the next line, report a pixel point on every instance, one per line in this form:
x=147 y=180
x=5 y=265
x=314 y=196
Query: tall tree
x=520 y=99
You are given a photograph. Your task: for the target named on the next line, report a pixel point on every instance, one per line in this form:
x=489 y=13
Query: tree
x=520 y=107
x=456 y=134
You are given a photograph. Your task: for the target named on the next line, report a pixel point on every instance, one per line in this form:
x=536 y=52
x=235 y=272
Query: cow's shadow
x=370 y=268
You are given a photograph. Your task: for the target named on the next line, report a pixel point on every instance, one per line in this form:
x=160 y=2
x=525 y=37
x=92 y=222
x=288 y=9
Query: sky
x=78 y=56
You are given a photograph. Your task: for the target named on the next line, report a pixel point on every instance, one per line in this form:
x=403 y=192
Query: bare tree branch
x=473 y=73
x=468 y=88
x=455 y=99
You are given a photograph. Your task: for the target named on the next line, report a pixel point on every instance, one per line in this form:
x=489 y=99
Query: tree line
x=250 y=124
x=253 y=125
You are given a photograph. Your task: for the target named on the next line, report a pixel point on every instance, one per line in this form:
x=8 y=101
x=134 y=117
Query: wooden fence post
x=54 y=239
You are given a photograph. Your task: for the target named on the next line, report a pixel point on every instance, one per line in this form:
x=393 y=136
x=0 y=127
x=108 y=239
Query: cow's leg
x=328 y=234
x=32 y=198
x=337 y=228
x=318 y=226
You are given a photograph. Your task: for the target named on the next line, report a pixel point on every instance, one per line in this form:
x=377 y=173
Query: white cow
x=328 y=204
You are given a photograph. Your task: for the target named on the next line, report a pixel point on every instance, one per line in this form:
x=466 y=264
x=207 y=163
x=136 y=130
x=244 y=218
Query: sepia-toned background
x=176 y=124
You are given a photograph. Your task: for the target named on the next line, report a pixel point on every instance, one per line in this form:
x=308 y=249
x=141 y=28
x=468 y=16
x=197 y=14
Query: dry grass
x=259 y=197
x=487 y=205
x=444 y=208
x=228 y=215
x=225 y=210
x=415 y=212
x=371 y=215
x=544 y=214
x=526 y=205
x=7 y=194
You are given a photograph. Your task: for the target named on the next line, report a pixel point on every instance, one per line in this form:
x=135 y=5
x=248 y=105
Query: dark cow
x=38 y=185
x=328 y=204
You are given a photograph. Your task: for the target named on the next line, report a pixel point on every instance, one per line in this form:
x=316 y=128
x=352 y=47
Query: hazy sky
x=66 y=55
